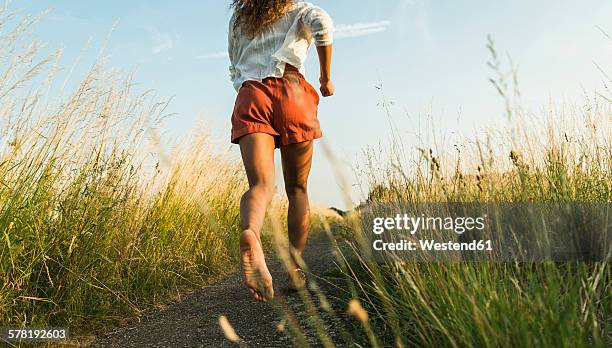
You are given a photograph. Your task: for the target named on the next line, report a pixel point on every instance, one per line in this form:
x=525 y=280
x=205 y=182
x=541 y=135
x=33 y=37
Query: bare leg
x=258 y=157
x=297 y=160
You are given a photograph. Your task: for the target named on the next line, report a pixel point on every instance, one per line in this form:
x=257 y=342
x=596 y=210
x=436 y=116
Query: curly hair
x=253 y=16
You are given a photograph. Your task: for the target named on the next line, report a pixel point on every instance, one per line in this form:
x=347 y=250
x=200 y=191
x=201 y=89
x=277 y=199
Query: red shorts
x=285 y=108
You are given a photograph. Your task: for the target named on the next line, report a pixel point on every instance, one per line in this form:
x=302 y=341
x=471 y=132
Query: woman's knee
x=296 y=190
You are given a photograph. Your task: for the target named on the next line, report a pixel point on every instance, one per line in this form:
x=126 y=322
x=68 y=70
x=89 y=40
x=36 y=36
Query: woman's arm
x=230 y=46
x=321 y=27
x=325 y=58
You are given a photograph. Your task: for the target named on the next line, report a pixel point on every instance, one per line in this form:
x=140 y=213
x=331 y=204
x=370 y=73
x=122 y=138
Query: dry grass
x=96 y=222
x=564 y=155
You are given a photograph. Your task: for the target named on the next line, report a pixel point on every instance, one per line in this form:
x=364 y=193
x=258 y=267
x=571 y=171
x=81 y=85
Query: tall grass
x=97 y=223
x=564 y=155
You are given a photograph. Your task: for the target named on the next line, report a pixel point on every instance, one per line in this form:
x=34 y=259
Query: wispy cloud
x=344 y=31
x=214 y=55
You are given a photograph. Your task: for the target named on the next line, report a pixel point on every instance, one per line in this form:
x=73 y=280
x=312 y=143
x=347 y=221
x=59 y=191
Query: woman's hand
x=325 y=57
x=327 y=88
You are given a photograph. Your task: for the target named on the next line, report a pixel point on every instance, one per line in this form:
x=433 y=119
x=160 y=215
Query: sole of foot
x=255 y=273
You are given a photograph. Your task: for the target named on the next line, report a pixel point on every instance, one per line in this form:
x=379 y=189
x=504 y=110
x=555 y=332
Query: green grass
x=563 y=157
x=94 y=227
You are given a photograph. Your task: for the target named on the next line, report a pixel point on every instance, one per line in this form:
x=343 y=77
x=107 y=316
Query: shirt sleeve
x=231 y=40
x=319 y=24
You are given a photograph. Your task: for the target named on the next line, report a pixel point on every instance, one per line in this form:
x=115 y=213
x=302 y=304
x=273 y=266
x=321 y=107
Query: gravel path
x=193 y=322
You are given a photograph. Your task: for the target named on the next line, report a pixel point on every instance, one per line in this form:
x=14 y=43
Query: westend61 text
x=432 y=245
x=412 y=224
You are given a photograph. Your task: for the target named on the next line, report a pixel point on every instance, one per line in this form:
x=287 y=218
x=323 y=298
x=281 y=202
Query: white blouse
x=285 y=41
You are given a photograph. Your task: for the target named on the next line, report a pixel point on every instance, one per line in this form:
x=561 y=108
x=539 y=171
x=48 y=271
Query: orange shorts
x=285 y=108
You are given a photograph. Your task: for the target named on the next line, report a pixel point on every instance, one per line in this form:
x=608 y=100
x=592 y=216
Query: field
x=100 y=223
x=496 y=303
x=561 y=155
x=93 y=225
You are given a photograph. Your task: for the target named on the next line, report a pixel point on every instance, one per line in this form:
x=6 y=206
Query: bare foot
x=255 y=273
x=297 y=279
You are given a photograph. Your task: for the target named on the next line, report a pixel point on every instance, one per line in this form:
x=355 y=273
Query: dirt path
x=193 y=322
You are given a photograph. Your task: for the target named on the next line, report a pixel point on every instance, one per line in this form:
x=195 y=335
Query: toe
x=255 y=294
x=258 y=297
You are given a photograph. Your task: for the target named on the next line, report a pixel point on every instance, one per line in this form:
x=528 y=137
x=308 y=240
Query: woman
x=276 y=108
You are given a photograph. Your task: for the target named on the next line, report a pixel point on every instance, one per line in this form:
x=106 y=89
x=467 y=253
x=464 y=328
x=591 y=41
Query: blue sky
x=429 y=56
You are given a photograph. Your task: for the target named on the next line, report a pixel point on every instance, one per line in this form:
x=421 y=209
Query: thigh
x=297 y=161
x=257 y=150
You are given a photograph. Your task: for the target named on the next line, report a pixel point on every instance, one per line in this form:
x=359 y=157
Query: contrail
x=344 y=31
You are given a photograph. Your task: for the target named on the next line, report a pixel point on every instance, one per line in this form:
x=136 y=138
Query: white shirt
x=285 y=41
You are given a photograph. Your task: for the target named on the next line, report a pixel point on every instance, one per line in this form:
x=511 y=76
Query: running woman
x=276 y=108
